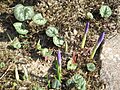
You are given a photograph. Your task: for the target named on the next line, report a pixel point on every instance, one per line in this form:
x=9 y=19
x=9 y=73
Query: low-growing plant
x=57 y=82
x=72 y=64
x=2 y=65
x=101 y=38
x=39 y=19
x=25 y=77
x=44 y=51
x=78 y=81
x=58 y=41
x=20 y=28
x=23 y=13
x=15 y=43
x=91 y=67
x=53 y=32
x=105 y=11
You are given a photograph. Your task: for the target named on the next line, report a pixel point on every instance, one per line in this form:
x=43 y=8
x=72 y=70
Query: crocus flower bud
x=59 y=57
x=87 y=27
x=100 y=39
x=85 y=35
x=97 y=45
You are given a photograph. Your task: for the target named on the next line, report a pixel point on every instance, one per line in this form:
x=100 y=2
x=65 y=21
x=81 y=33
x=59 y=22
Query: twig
x=6 y=71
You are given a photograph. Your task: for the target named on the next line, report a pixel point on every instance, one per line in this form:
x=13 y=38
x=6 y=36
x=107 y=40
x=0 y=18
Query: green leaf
x=15 y=43
x=23 y=13
x=58 y=41
x=2 y=65
x=91 y=67
x=105 y=11
x=38 y=46
x=56 y=84
x=78 y=81
x=71 y=65
x=69 y=82
x=38 y=19
x=20 y=28
x=51 y=31
x=46 y=52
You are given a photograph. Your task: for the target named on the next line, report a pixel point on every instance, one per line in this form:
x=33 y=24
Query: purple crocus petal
x=101 y=38
x=87 y=27
x=59 y=57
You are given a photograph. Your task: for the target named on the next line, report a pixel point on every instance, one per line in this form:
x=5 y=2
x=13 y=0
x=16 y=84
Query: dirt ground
x=70 y=17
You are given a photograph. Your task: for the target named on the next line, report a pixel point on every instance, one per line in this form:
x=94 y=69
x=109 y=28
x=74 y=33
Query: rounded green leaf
x=105 y=11
x=15 y=43
x=78 y=81
x=56 y=84
x=91 y=67
x=38 y=19
x=22 y=13
x=71 y=65
x=58 y=41
x=51 y=31
x=28 y=12
x=20 y=28
x=46 y=52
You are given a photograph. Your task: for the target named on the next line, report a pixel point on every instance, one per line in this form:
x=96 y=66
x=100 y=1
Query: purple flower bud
x=59 y=57
x=87 y=27
x=101 y=38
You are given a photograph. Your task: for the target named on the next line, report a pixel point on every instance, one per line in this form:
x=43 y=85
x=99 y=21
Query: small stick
x=6 y=71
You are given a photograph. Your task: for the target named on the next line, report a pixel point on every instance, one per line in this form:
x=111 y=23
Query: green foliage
x=91 y=67
x=2 y=65
x=51 y=31
x=25 y=77
x=89 y=15
x=15 y=43
x=71 y=65
x=78 y=81
x=56 y=84
x=20 y=28
x=38 y=19
x=105 y=11
x=58 y=41
x=46 y=52
x=38 y=46
x=23 y=13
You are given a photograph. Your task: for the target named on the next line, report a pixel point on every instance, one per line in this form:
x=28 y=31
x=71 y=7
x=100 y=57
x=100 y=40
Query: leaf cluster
x=53 y=32
x=78 y=81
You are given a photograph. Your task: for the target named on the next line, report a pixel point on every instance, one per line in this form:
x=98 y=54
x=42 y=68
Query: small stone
x=75 y=32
